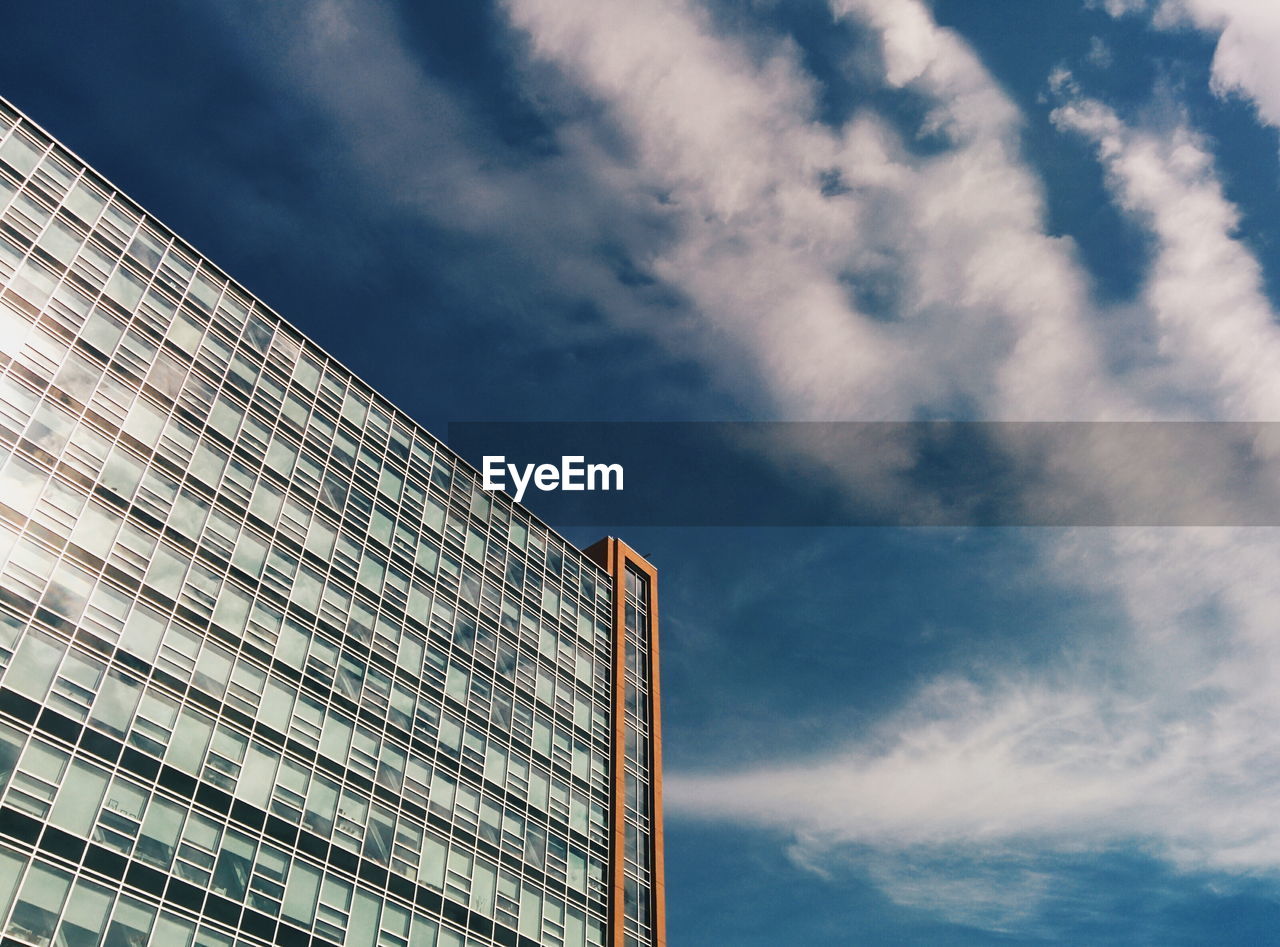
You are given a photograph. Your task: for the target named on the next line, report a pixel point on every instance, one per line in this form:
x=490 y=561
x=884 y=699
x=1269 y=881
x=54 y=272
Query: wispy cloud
x=775 y=265
x=1215 y=333
x=528 y=232
x=995 y=893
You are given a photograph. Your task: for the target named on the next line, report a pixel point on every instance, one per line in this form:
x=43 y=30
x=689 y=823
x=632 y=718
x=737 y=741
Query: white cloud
x=1244 y=60
x=1217 y=335
x=988 y=308
x=992 y=894
x=1164 y=741
x=1099 y=55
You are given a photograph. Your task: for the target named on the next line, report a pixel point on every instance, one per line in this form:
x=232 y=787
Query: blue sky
x=844 y=210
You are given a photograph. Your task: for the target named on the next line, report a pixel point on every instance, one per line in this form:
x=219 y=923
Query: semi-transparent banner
x=935 y=473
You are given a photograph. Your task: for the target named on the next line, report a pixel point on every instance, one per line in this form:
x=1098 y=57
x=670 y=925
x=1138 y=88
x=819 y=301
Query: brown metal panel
x=613 y=555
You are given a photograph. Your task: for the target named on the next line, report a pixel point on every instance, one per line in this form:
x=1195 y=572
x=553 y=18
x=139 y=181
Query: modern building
x=275 y=669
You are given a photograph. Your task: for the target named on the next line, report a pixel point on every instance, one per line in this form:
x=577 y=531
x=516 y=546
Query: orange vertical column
x=614 y=556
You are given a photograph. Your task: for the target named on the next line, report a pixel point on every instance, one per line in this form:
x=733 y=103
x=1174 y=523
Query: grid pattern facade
x=273 y=667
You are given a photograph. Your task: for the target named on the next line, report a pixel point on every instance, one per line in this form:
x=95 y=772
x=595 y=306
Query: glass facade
x=273 y=667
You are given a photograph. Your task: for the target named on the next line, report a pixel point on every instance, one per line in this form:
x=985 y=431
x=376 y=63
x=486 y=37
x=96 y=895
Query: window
x=36 y=782
x=270 y=873
x=85 y=917
x=301 y=893
x=121 y=815
x=33 y=666
x=78 y=801
x=231 y=873
x=160 y=830
x=334 y=908
x=39 y=904
x=130 y=924
x=195 y=858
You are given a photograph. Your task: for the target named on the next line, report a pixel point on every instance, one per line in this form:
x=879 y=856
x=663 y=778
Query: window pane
x=77 y=804
x=300 y=895
x=32 y=669
x=86 y=916
x=431 y=871
x=231 y=876
x=38 y=905
x=160 y=833
x=258 y=775
x=173 y=931
x=322 y=803
x=131 y=924
x=116 y=702
x=363 y=927
x=10 y=747
x=190 y=740
x=11 y=866
x=424 y=932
